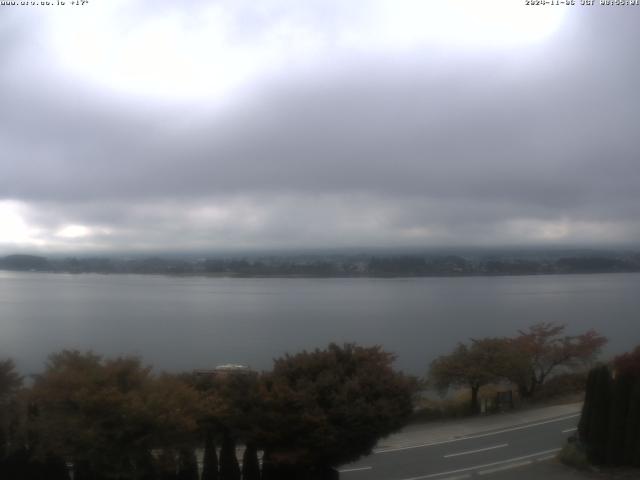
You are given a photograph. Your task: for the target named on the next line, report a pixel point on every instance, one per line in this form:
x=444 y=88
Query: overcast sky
x=208 y=125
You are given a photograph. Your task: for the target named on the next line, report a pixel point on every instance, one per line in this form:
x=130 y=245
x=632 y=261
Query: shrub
x=573 y=456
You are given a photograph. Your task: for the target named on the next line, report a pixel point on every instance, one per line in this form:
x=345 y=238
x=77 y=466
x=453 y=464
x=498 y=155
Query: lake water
x=186 y=323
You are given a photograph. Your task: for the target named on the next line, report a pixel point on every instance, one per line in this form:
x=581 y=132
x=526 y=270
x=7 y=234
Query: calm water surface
x=185 y=323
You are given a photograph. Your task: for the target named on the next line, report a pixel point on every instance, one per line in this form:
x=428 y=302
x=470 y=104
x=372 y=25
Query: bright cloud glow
x=170 y=56
x=550 y=231
x=467 y=23
x=14 y=229
x=73 y=231
x=204 y=53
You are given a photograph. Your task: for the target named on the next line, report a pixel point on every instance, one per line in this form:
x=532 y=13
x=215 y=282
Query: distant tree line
x=527 y=360
x=117 y=419
x=609 y=427
x=334 y=265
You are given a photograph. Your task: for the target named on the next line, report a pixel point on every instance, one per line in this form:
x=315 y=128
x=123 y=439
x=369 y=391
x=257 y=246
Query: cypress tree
x=250 y=464
x=145 y=466
x=632 y=434
x=187 y=465
x=587 y=408
x=618 y=411
x=167 y=465
x=599 y=419
x=229 y=468
x=19 y=464
x=56 y=468
x=82 y=470
x=268 y=469
x=210 y=459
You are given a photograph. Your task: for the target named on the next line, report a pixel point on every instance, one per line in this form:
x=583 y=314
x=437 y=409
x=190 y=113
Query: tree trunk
x=527 y=390
x=535 y=383
x=474 y=406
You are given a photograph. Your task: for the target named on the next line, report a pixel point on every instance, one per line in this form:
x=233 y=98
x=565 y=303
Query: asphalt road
x=476 y=456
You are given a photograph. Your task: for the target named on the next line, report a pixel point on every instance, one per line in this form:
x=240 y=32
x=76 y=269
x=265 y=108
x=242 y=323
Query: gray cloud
x=532 y=144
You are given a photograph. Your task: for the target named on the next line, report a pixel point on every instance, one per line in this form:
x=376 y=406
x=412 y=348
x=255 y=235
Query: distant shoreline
x=339 y=266
x=308 y=276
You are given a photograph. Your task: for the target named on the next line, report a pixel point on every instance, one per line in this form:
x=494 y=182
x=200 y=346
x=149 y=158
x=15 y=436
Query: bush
x=573 y=456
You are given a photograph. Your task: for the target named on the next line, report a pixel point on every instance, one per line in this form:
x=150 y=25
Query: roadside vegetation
x=117 y=419
x=609 y=428
x=607 y=443
x=538 y=364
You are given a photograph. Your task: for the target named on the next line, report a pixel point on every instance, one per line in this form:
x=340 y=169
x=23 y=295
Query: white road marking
x=468 y=452
x=471 y=437
x=504 y=467
x=478 y=467
x=570 y=430
x=545 y=458
x=359 y=469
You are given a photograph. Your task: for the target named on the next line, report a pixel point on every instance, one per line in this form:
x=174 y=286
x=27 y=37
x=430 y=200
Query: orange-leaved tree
x=544 y=348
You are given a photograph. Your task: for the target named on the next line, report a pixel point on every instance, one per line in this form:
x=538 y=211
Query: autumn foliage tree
x=628 y=363
x=232 y=407
x=328 y=407
x=474 y=365
x=106 y=416
x=543 y=349
x=527 y=360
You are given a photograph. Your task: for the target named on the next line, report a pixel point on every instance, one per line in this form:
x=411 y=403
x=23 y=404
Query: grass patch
x=428 y=409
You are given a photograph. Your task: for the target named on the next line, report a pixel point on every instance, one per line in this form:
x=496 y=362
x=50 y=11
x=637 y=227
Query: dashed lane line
x=469 y=452
x=471 y=437
x=505 y=467
x=486 y=465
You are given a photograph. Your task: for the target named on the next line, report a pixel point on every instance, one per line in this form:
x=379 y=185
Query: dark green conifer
x=618 y=412
x=167 y=465
x=599 y=419
x=187 y=464
x=229 y=468
x=587 y=408
x=210 y=459
x=56 y=468
x=250 y=463
x=268 y=468
x=145 y=466
x=632 y=434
